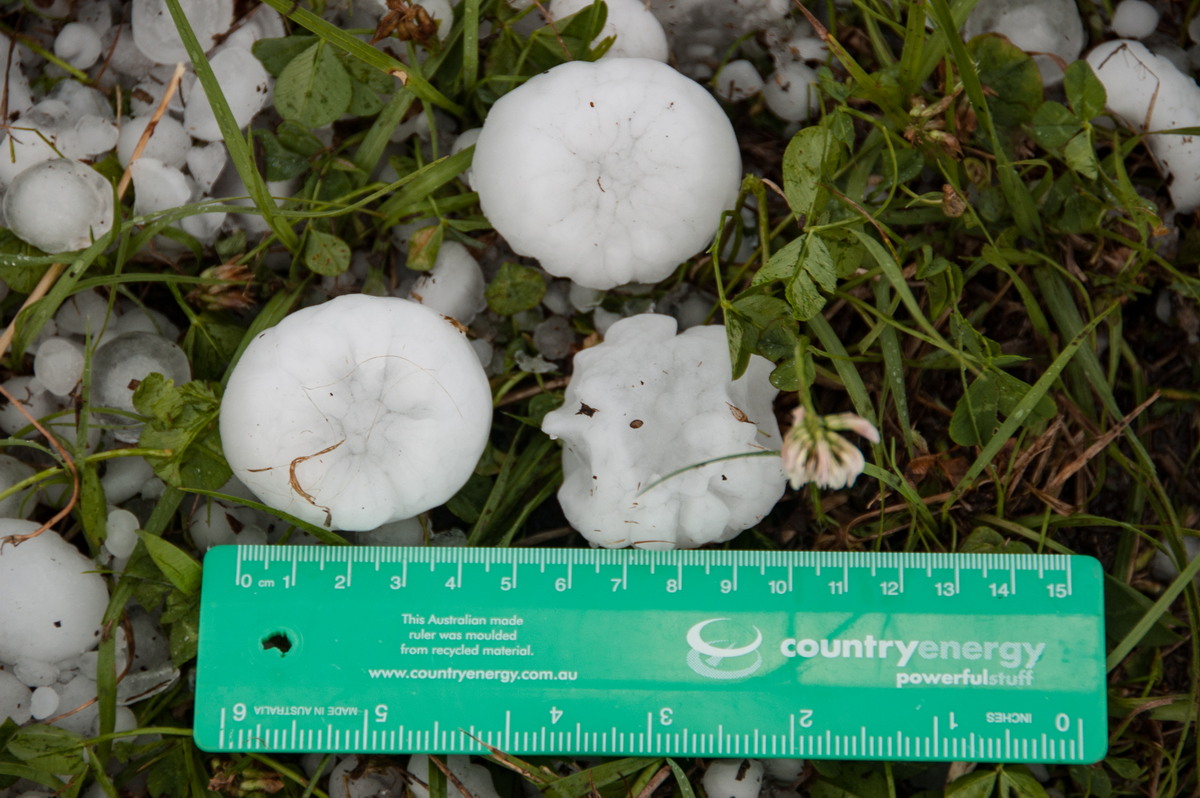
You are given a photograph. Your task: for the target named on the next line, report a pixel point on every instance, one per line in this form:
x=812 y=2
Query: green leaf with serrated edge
x=1080 y=155
x=1011 y=74
x=180 y=569
x=515 y=288
x=979 y=784
x=1085 y=92
x=276 y=54
x=1053 y=125
x=805 y=166
x=326 y=254
x=314 y=89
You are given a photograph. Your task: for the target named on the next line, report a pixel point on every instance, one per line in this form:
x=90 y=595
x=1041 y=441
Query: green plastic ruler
x=690 y=653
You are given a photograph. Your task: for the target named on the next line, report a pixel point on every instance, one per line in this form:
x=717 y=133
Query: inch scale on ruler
x=627 y=653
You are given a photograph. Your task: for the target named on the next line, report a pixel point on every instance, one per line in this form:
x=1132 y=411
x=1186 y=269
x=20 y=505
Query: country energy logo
x=722 y=648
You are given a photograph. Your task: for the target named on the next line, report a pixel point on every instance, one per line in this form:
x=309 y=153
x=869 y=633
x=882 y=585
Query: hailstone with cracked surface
x=647 y=403
x=609 y=172
x=357 y=412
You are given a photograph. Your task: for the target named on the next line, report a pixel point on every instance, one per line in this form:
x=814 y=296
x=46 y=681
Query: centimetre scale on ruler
x=631 y=652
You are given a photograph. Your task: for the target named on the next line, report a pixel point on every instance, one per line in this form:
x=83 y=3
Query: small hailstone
x=51 y=599
x=738 y=80
x=158 y=187
x=155 y=34
x=139 y=318
x=97 y=14
x=785 y=770
x=465 y=139
x=733 y=778
x=475 y=778
x=21 y=149
x=352 y=779
x=533 y=364
x=791 y=92
x=78 y=44
x=1134 y=19
x=59 y=365
x=1044 y=27
x=88 y=136
x=602 y=319
x=553 y=338
x=454 y=287
x=204 y=227
x=169 y=143
x=43 y=703
x=246 y=86
x=79 y=694
x=15 y=699
x=35 y=673
x=142 y=684
x=125 y=477
x=484 y=351
x=127 y=359
x=59 y=205
x=82 y=313
x=583 y=298
x=33 y=396
x=121 y=533
x=21 y=504
x=638 y=34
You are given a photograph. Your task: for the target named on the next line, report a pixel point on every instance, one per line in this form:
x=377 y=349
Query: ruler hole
x=278 y=641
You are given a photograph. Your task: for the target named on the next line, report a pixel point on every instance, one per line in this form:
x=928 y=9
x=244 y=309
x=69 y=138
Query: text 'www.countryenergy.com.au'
x=465 y=675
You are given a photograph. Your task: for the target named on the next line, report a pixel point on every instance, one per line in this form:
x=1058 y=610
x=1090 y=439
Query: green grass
x=947 y=249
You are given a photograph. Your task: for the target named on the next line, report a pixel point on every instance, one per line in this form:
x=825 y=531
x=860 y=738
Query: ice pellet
x=43 y=703
x=120 y=533
x=59 y=365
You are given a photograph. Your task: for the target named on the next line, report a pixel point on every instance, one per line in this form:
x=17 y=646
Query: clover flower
x=813 y=451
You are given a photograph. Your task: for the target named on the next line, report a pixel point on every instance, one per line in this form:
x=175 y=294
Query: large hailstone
x=646 y=403
x=59 y=205
x=52 y=600
x=1147 y=92
x=357 y=412
x=608 y=172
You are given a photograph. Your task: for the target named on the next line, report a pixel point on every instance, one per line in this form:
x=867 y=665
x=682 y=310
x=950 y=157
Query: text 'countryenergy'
x=1009 y=654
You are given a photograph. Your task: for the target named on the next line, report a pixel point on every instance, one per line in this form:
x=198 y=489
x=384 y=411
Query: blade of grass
x=1156 y=611
x=235 y=141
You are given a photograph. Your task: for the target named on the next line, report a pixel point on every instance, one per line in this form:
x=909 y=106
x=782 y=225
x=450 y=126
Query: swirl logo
x=717 y=650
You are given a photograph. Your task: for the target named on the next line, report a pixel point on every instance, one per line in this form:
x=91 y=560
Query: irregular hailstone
x=169 y=143
x=78 y=44
x=1036 y=26
x=51 y=599
x=154 y=30
x=638 y=34
x=246 y=86
x=608 y=172
x=1147 y=92
x=738 y=80
x=647 y=403
x=59 y=205
x=59 y=365
x=356 y=412
x=124 y=361
x=791 y=92
x=733 y=778
x=158 y=187
x=15 y=699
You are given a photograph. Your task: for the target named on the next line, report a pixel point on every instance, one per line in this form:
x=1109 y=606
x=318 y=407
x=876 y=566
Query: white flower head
x=813 y=451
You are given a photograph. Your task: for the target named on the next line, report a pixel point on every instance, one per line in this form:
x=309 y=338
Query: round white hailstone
x=80 y=694
x=126 y=360
x=120 y=532
x=646 y=403
x=477 y=779
x=59 y=205
x=22 y=503
x=33 y=396
x=35 y=673
x=791 y=92
x=246 y=85
x=738 y=80
x=125 y=477
x=357 y=412
x=15 y=699
x=1147 y=92
x=21 y=149
x=59 y=365
x=350 y=779
x=83 y=313
x=206 y=162
x=733 y=778
x=204 y=227
x=454 y=286
x=169 y=143
x=51 y=599
x=1134 y=19
x=98 y=15
x=78 y=44
x=1036 y=26
x=158 y=187
x=43 y=703
x=608 y=172
x=638 y=32
x=87 y=137
x=155 y=34
x=553 y=338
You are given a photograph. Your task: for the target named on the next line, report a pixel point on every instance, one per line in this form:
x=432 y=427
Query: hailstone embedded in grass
x=733 y=778
x=22 y=503
x=1051 y=30
x=636 y=31
x=122 y=363
x=791 y=92
x=51 y=599
x=59 y=205
x=647 y=403
x=738 y=80
x=59 y=365
x=246 y=86
x=43 y=703
x=1134 y=19
x=357 y=412
x=77 y=44
x=155 y=33
x=609 y=172
x=169 y=143
x=454 y=286
x=477 y=779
